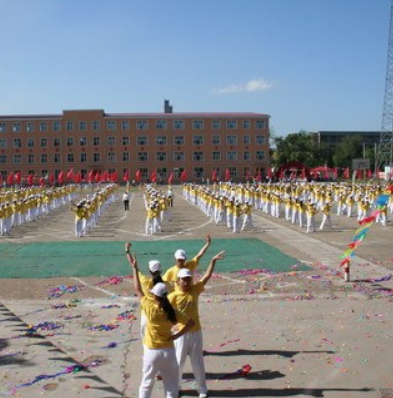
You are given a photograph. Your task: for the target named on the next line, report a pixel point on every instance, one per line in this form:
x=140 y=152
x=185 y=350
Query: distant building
x=334 y=138
x=161 y=143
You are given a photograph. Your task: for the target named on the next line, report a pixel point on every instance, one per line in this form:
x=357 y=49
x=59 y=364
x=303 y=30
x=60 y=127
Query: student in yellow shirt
x=181 y=262
x=158 y=348
x=185 y=300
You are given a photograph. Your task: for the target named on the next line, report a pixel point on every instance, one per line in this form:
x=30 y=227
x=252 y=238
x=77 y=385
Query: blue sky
x=310 y=64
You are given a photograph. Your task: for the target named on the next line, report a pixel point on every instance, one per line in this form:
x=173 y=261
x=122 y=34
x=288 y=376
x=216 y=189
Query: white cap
x=154 y=265
x=159 y=289
x=180 y=254
x=184 y=273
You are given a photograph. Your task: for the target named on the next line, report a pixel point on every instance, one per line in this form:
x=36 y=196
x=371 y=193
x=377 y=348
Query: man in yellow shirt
x=181 y=262
x=185 y=300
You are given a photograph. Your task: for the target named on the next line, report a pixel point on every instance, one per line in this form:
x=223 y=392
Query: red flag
x=18 y=177
x=10 y=178
x=259 y=175
x=1 y=178
x=183 y=176
x=126 y=176
x=60 y=177
x=369 y=173
x=269 y=173
x=51 y=179
x=227 y=175
x=358 y=174
x=247 y=175
x=346 y=173
x=91 y=176
x=281 y=173
x=303 y=176
x=78 y=177
x=30 y=179
x=42 y=181
x=170 y=178
x=138 y=176
x=97 y=177
x=70 y=174
x=113 y=177
x=326 y=174
x=153 y=176
x=336 y=173
x=214 y=175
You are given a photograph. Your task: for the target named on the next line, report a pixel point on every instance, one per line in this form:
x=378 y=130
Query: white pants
x=190 y=344
x=161 y=361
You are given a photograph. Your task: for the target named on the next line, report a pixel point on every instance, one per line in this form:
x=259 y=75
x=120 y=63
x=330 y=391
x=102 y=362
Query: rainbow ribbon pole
x=361 y=233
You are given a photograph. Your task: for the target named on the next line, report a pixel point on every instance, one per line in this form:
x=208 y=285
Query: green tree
x=349 y=148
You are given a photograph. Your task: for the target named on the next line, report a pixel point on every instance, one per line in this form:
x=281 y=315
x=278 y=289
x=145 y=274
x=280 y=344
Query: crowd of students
x=298 y=202
x=24 y=205
x=171 y=329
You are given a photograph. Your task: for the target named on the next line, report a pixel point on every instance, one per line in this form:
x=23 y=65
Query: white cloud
x=248 y=87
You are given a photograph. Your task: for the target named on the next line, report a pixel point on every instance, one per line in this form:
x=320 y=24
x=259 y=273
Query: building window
x=16 y=127
x=70 y=126
x=260 y=140
x=260 y=124
x=216 y=139
x=142 y=125
x=44 y=158
x=96 y=141
x=30 y=142
x=246 y=140
x=30 y=158
x=17 y=143
x=260 y=155
x=231 y=140
x=216 y=124
x=82 y=126
x=3 y=142
x=70 y=141
x=197 y=139
x=57 y=158
x=246 y=155
x=247 y=172
x=96 y=125
x=111 y=141
x=198 y=172
x=141 y=140
x=111 y=157
x=111 y=125
x=231 y=155
x=161 y=140
x=142 y=157
x=83 y=157
x=161 y=156
x=178 y=140
x=17 y=159
x=70 y=158
x=43 y=142
x=197 y=156
x=246 y=124
x=56 y=126
x=216 y=155
x=179 y=157
x=125 y=125
x=178 y=124
x=197 y=124
x=29 y=127
x=232 y=172
x=82 y=141
x=96 y=157
x=3 y=159
x=57 y=142
x=231 y=124
x=161 y=124
x=125 y=157
x=3 y=127
x=125 y=141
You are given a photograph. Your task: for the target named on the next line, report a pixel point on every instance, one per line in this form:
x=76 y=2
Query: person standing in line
x=181 y=257
x=185 y=300
x=158 y=344
x=126 y=201
x=326 y=209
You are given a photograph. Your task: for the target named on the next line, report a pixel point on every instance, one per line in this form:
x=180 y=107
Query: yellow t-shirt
x=187 y=304
x=171 y=274
x=158 y=328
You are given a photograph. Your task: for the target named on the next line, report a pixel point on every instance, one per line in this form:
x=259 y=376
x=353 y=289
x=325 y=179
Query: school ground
x=69 y=323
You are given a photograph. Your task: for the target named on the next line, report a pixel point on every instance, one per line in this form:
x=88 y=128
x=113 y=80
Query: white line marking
x=94 y=287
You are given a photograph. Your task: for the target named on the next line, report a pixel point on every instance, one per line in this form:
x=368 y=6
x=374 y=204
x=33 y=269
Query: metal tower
x=385 y=149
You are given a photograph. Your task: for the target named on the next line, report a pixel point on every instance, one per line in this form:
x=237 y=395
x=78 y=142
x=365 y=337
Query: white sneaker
x=202 y=395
